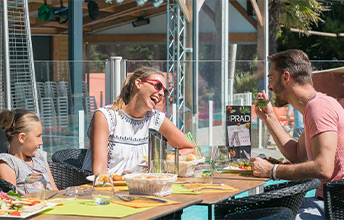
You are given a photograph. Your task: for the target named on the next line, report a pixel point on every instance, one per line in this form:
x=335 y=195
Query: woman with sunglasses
x=23 y=131
x=119 y=133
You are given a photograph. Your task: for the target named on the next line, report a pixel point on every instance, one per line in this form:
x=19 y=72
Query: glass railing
x=66 y=116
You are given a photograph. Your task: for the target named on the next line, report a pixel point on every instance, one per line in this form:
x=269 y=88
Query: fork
x=131 y=198
x=197 y=190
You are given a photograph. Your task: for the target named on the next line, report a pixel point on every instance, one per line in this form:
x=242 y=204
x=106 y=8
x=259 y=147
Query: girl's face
x=150 y=90
x=32 y=139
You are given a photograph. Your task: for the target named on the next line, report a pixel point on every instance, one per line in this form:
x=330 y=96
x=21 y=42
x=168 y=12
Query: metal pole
x=174 y=114
x=81 y=128
x=211 y=111
x=6 y=57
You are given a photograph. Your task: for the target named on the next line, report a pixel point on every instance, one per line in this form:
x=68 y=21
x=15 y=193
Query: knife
x=52 y=196
x=149 y=198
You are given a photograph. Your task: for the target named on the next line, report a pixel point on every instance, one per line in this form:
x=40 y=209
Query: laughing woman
x=119 y=133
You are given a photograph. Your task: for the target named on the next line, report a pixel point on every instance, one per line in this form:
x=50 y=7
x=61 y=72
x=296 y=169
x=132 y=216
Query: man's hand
x=260 y=167
x=262 y=111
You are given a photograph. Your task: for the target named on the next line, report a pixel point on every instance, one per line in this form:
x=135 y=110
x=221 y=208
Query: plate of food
x=13 y=206
x=118 y=180
x=239 y=167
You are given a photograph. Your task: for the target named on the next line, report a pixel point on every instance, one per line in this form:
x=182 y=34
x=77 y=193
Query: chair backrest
x=6 y=186
x=279 y=213
x=289 y=194
x=334 y=199
x=65 y=176
x=72 y=157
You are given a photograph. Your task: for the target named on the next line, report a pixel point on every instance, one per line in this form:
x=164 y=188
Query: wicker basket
x=186 y=168
x=155 y=184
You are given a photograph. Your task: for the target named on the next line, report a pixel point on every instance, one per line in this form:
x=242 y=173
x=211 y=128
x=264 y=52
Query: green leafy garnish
x=14 y=195
x=261 y=103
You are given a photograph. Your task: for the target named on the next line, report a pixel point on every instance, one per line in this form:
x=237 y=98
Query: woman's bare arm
x=99 y=133
x=7 y=173
x=176 y=138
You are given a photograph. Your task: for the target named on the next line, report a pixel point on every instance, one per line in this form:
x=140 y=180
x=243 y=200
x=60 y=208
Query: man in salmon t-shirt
x=319 y=152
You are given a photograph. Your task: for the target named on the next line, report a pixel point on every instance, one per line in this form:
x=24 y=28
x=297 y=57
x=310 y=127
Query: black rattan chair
x=73 y=157
x=6 y=186
x=288 y=194
x=65 y=176
x=334 y=199
x=279 y=213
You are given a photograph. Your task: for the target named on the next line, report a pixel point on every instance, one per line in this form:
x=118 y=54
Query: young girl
x=119 y=133
x=23 y=131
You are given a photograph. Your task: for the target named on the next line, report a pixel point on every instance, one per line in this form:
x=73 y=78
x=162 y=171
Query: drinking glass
x=206 y=151
x=103 y=190
x=221 y=157
x=36 y=185
x=204 y=173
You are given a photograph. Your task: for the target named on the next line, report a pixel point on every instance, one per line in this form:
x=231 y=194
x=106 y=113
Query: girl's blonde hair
x=17 y=121
x=127 y=89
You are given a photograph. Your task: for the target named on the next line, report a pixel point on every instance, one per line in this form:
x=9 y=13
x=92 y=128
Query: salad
x=13 y=205
x=239 y=166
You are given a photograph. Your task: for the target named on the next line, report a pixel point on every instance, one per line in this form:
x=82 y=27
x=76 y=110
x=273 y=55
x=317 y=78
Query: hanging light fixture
x=141 y=21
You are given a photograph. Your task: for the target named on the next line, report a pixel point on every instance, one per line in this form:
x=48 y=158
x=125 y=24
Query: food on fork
x=261 y=103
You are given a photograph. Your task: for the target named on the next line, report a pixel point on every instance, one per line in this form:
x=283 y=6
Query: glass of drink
x=35 y=185
x=103 y=190
x=204 y=173
x=221 y=157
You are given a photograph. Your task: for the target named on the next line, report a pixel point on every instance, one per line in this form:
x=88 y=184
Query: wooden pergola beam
x=185 y=10
x=257 y=11
x=243 y=12
x=125 y=38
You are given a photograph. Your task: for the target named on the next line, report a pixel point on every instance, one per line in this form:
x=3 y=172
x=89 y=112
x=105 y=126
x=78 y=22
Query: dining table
x=237 y=181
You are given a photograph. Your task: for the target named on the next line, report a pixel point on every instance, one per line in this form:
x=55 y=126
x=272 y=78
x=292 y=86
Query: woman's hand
x=184 y=151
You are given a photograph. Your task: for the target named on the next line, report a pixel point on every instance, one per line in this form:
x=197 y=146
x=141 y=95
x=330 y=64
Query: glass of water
x=221 y=157
x=204 y=173
x=35 y=185
x=103 y=190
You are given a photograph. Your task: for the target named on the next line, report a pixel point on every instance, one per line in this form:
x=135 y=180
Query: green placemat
x=85 y=207
x=180 y=189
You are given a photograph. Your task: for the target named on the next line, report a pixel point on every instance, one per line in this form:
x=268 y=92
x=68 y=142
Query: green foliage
x=245 y=82
x=301 y=14
x=319 y=47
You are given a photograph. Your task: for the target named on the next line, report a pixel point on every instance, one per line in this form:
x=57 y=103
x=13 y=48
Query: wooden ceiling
x=110 y=15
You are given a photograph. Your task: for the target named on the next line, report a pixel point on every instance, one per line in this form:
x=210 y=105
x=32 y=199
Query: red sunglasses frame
x=156 y=85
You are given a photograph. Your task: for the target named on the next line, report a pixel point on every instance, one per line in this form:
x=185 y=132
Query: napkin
x=117 y=188
x=219 y=188
x=83 y=207
x=145 y=203
x=180 y=189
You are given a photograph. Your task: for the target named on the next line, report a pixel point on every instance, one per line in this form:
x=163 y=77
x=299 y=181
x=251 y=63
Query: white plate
x=28 y=214
x=116 y=183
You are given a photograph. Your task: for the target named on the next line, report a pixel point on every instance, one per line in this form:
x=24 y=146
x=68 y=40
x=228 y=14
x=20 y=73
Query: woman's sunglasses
x=158 y=85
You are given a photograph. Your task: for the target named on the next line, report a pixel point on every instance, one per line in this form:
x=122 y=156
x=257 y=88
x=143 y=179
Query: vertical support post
x=75 y=51
x=224 y=55
x=6 y=56
x=81 y=128
x=211 y=112
x=174 y=114
x=195 y=22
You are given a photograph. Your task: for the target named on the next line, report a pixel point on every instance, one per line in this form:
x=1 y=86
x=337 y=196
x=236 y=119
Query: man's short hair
x=296 y=62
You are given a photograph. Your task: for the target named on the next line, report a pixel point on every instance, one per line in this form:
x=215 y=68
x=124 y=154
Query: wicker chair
x=263 y=214
x=288 y=194
x=65 y=176
x=73 y=157
x=6 y=186
x=334 y=199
